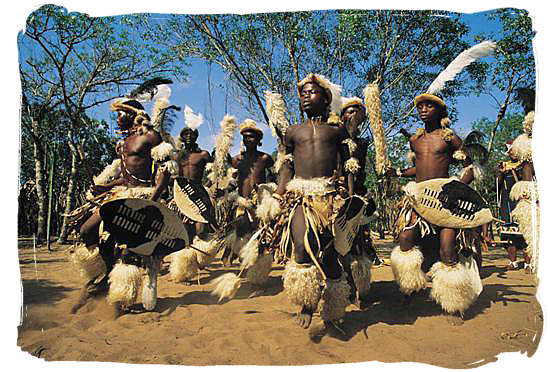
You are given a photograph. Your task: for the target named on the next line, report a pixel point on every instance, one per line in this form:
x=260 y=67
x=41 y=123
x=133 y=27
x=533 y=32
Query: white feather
x=163 y=91
x=483 y=49
x=192 y=120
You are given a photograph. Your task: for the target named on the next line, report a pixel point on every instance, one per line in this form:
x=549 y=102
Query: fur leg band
x=89 y=263
x=454 y=287
x=184 y=265
x=406 y=267
x=335 y=299
x=124 y=283
x=258 y=273
x=302 y=284
x=361 y=274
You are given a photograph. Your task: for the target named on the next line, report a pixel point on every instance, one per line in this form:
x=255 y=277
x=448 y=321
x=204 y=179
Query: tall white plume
x=483 y=49
x=192 y=120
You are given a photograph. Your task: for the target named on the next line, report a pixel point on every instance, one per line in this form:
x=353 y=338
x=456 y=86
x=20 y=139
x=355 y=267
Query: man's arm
x=467 y=176
x=163 y=178
x=528 y=172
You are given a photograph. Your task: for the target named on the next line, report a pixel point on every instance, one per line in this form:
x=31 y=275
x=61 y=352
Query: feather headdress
x=148 y=89
x=350 y=101
x=192 y=120
x=333 y=91
x=464 y=59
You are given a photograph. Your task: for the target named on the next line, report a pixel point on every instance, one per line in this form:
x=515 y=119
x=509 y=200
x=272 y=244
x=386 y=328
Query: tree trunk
x=39 y=182
x=69 y=198
x=500 y=115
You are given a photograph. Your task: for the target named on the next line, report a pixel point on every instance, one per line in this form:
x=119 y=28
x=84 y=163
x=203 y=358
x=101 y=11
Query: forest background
x=72 y=66
x=481 y=78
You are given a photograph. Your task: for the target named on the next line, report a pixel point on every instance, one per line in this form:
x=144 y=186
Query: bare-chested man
x=252 y=168
x=193 y=161
x=308 y=172
x=362 y=252
x=453 y=286
x=138 y=180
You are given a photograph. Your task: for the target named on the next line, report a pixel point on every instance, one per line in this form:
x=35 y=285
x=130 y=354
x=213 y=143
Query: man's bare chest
x=430 y=144
x=193 y=159
x=137 y=145
x=315 y=135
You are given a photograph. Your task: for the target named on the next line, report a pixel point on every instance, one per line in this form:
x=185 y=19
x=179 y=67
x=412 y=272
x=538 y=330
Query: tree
x=84 y=62
x=515 y=64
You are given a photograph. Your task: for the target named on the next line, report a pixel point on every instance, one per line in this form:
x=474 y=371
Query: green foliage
x=510 y=128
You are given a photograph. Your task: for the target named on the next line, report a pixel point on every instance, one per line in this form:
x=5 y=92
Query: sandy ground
x=189 y=326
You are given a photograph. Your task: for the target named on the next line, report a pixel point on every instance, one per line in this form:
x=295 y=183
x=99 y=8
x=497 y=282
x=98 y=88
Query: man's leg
x=406 y=263
x=454 y=287
x=302 y=280
x=512 y=256
x=89 y=261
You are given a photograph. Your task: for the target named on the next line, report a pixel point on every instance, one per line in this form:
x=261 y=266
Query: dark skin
x=192 y=164
x=527 y=174
x=467 y=177
x=137 y=163
x=314 y=145
x=433 y=157
x=352 y=117
x=252 y=166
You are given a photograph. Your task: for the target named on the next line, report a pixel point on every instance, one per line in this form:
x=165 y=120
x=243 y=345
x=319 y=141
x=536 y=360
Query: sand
x=189 y=326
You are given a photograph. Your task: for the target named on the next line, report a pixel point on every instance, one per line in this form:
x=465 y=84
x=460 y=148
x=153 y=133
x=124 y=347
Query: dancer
x=524 y=192
x=454 y=285
x=313 y=278
x=362 y=256
x=141 y=147
x=252 y=169
x=185 y=264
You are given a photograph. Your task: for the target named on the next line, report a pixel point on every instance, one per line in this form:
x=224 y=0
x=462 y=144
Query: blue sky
x=194 y=93
x=13 y=22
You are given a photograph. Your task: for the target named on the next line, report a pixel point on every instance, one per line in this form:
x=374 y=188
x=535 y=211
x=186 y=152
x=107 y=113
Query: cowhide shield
x=351 y=216
x=146 y=227
x=450 y=203
x=193 y=201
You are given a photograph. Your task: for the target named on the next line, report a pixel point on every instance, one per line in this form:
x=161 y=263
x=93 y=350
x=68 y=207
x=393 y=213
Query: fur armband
x=163 y=152
x=411 y=157
x=171 y=166
x=352 y=166
x=447 y=134
x=524 y=190
x=352 y=146
x=282 y=160
x=459 y=154
x=521 y=148
x=110 y=173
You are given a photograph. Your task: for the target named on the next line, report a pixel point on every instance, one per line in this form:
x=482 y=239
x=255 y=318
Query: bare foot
x=82 y=299
x=455 y=319
x=317 y=332
x=304 y=317
x=77 y=306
